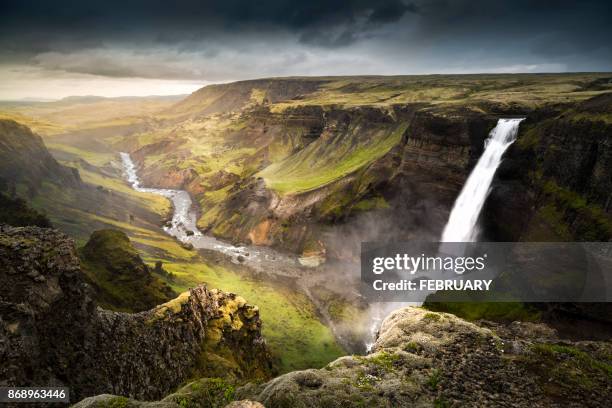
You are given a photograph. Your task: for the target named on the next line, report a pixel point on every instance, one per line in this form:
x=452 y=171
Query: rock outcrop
x=424 y=359
x=52 y=333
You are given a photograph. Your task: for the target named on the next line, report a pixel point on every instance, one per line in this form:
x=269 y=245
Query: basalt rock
x=52 y=333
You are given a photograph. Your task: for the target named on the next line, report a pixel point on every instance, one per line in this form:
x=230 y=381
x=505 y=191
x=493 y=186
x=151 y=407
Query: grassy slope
x=290 y=325
x=81 y=113
x=323 y=162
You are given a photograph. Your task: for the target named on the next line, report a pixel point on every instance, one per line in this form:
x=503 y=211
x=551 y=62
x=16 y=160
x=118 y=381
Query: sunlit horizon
x=35 y=85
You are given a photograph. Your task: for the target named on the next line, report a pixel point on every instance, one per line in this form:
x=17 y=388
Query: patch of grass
x=383 y=360
x=494 y=311
x=206 y=392
x=120 y=278
x=16 y=212
x=567 y=369
x=118 y=402
x=434 y=379
x=291 y=327
x=578 y=356
x=413 y=347
x=39 y=126
x=320 y=163
x=571 y=216
x=95 y=158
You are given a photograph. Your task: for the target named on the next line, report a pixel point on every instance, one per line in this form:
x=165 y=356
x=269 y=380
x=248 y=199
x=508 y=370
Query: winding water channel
x=183 y=227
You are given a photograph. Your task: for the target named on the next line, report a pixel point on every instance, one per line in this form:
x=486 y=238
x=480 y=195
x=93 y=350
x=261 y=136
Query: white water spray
x=461 y=225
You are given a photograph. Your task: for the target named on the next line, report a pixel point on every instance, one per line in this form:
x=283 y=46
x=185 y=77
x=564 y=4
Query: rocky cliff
x=424 y=359
x=308 y=177
x=51 y=332
x=555 y=182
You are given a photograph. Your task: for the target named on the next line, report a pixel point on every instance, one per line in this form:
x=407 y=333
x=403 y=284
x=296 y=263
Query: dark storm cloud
x=230 y=39
x=91 y=21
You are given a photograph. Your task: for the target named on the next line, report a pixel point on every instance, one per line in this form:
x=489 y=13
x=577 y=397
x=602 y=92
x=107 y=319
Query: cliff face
x=52 y=334
x=432 y=359
x=18 y=142
x=555 y=182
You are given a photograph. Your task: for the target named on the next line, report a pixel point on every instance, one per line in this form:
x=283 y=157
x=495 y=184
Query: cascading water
x=462 y=222
x=461 y=225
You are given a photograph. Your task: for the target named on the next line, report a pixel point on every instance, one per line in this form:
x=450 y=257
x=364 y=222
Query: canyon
x=287 y=177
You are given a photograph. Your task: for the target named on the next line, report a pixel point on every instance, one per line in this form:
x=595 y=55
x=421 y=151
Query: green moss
x=434 y=317
x=413 y=347
x=566 y=369
x=118 y=402
x=382 y=360
x=494 y=311
x=374 y=203
x=204 y=393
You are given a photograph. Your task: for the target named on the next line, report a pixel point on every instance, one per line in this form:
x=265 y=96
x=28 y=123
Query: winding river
x=183 y=227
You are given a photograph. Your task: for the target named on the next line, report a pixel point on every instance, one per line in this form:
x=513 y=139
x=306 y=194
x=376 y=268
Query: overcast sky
x=52 y=49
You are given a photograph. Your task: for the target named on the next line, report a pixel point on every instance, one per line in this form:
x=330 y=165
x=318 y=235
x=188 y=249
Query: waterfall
x=461 y=225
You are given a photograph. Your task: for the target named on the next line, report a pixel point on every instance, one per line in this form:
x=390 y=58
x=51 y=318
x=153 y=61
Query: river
x=183 y=227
